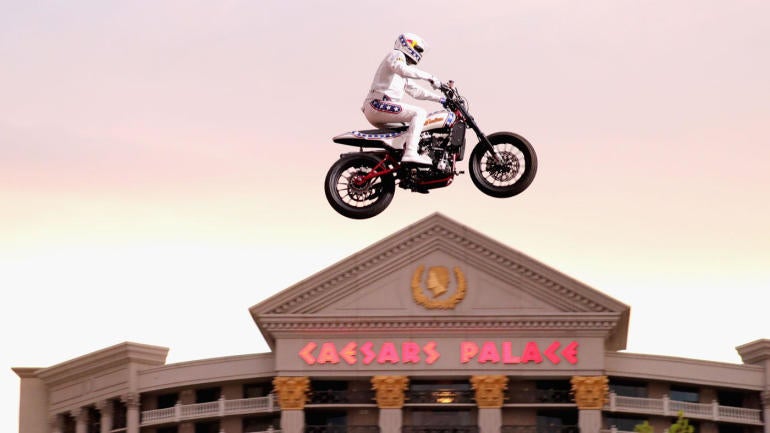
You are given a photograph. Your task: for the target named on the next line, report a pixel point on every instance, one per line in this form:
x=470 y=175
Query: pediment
x=439 y=270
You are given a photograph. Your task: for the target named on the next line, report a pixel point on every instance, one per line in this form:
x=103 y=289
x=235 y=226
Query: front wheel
x=509 y=174
x=351 y=193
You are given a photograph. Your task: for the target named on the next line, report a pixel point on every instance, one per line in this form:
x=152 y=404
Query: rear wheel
x=511 y=173
x=351 y=194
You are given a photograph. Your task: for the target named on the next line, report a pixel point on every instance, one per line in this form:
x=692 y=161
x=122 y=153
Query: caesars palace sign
x=410 y=352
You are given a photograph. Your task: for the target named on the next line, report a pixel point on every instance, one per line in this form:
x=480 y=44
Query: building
x=434 y=329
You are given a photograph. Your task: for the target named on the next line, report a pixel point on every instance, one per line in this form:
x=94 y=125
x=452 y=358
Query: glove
x=435 y=83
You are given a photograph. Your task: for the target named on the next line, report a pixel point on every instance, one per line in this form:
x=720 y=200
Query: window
x=69 y=424
x=729 y=428
x=627 y=388
x=730 y=398
x=682 y=393
x=330 y=385
x=623 y=423
x=119 y=415
x=260 y=424
x=251 y=390
x=326 y=418
x=433 y=417
x=206 y=395
x=167 y=400
x=556 y=421
x=94 y=420
x=207 y=427
x=553 y=391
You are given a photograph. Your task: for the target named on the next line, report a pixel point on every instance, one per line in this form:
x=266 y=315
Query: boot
x=411 y=156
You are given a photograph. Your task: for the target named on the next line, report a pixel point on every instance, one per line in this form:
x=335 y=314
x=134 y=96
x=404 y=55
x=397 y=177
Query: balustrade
x=539 y=396
x=449 y=396
x=342 y=397
x=219 y=408
x=667 y=407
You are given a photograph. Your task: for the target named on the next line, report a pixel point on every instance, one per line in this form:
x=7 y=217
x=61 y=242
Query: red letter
x=531 y=353
x=306 y=355
x=388 y=353
x=468 y=350
x=570 y=352
x=369 y=354
x=410 y=352
x=550 y=353
x=348 y=353
x=328 y=353
x=508 y=357
x=430 y=350
x=489 y=353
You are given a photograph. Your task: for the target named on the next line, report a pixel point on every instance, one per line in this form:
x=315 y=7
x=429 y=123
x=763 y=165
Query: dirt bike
x=361 y=184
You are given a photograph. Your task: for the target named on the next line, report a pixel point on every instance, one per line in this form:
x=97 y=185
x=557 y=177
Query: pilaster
x=106 y=411
x=591 y=394
x=292 y=396
x=765 y=396
x=490 y=396
x=55 y=424
x=81 y=419
x=132 y=401
x=389 y=392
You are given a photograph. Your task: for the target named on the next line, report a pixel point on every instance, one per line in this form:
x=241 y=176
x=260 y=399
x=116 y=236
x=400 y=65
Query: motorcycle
x=362 y=184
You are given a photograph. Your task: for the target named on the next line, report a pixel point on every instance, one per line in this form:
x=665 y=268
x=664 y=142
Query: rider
x=383 y=107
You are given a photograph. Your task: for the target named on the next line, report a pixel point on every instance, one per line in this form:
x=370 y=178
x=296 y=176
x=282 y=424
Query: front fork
x=482 y=138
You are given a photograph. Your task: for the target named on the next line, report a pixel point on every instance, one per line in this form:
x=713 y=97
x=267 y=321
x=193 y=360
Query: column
x=131 y=400
x=106 y=410
x=81 y=420
x=766 y=409
x=292 y=396
x=389 y=392
x=590 y=396
x=490 y=396
x=55 y=422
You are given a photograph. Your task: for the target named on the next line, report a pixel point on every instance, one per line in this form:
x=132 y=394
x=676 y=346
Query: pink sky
x=159 y=161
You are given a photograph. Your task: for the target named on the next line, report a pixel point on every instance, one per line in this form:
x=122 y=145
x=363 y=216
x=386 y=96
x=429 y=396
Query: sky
x=162 y=162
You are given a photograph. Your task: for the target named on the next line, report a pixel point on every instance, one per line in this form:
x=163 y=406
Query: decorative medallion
x=591 y=392
x=438 y=285
x=489 y=391
x=390 y=391
x=292 y=391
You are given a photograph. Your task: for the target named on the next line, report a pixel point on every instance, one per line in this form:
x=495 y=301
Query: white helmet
x=411 y=45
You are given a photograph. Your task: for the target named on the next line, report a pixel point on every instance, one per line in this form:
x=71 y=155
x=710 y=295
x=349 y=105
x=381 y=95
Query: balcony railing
x=539 y=396
x=448 y=396
x=667 y=407
x=539 y=429
x=439 y=429
x=219 y=408
x=342 y=397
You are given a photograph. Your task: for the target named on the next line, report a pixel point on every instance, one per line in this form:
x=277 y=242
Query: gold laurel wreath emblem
x=432 y=304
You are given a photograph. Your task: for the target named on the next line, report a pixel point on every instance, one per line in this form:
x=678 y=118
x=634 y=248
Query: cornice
x=601 y=323
x=755 y=352
x=115 y=356
x=26 y=372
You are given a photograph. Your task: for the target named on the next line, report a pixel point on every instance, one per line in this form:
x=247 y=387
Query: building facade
x=434 y=329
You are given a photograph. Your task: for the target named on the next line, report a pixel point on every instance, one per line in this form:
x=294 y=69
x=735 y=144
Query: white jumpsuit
x=383 y=107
